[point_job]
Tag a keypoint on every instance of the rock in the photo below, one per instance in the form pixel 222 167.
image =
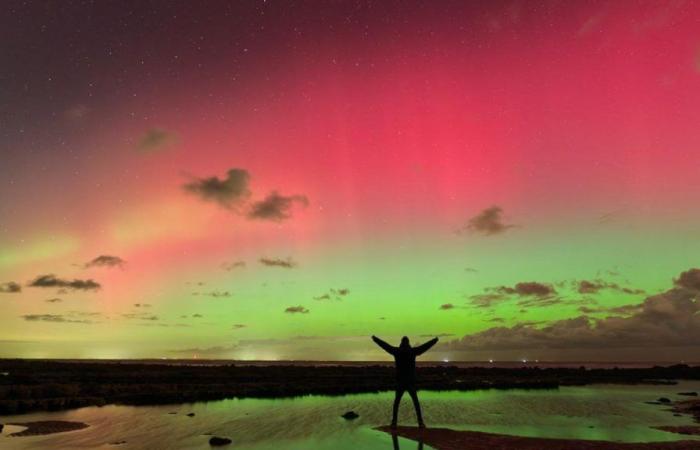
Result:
pixel 190 415
pixel 350 415
pixel 689 394
pixel 664 400
pixel 1 427
pixel 217 441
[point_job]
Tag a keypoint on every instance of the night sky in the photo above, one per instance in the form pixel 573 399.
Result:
pixel 282 179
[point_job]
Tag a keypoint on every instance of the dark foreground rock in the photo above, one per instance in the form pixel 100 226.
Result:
pixel 446 439
pixel 217 441
pixel 47 427
pixel 350 415
pixel 37 385
pixel 688 394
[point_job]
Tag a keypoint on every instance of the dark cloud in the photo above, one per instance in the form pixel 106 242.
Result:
pixel 487 300
pixel 229 266
pixel 276 207
pixel 446 306
pixel 336 294
pixel 668 319
pixel 53 300
pixel 10 288
pixel 595 286
pixel 278 262
pixel 51 281
pixel 528 288
pixel 105 261
pixel 296 310
pixel 689 279
pixel 214 294
pixel 56 318
pixel 229 192
pixel 618 310
pixel 238 326
pixel 488 222
pixel 156 139
pixel 140 316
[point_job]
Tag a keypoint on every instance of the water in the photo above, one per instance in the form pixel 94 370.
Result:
pixel 615 413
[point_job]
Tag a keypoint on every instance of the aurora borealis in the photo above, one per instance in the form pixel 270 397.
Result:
pixel 281 180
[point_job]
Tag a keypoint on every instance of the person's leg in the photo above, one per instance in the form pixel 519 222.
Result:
pixel 397 400
pixel 395 441
pixel 416 405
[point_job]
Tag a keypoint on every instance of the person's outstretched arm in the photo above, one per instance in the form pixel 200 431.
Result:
pixel 387 348
pixel 425 347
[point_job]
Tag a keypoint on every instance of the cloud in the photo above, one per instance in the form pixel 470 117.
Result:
pixel 689 279
pixel 277 262
pixel 336 294
pixel 238 326
pixel 229 192
pixel 537 293
pixel 446 306
pixel 668 319
pixel 105 261
pixel 296 310
pixel 140 316
pixel 487 300
pixel 51 281
pixel 214 294
pixel 156 139
pixel 56 318
pixel 595 286
pixel 10 288
pixel 528 288
pixel 276 207
pixel 619 310
pixel 488 222
pixel 229 266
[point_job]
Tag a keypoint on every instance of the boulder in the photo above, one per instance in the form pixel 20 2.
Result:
pixel 350 415
pixel 217 441
pixel 190 415
pixel 664 400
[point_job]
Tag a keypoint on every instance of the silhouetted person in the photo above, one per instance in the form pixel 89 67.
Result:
pixel 405 358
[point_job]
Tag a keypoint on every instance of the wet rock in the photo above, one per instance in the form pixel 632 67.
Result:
pixel 664 400
pixel 190 415
pixel 350 415
pixel 689 394
pixel 217 441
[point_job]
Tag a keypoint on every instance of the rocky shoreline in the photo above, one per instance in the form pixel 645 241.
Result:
pixel 37 385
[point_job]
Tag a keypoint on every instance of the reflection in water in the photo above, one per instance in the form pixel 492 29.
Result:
pixel 612 413
pixel 395 440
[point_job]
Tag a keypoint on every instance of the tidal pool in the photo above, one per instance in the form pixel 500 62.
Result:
pixel 605 412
